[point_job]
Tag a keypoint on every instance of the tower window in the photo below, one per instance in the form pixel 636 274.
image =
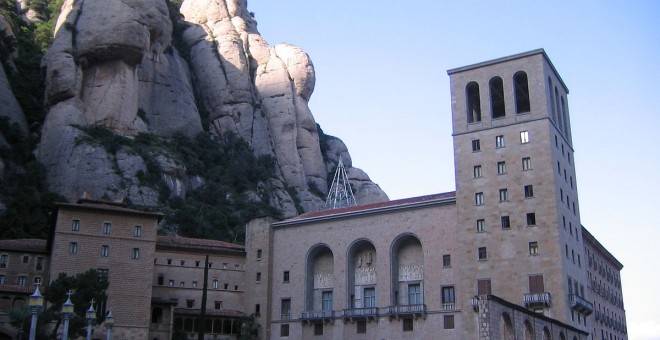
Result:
pixel 483 254
pixel 501 168
pixel 521 92
pixel 476 145
pixel 481 225
pixel 473 102
pixel 75 225
pixel 529 191
pixel 531 219
pixel 478 172
pixel 496 87
pixel 504 195
pixel 526 163
pixel 552 100
pixel 446 261
pixel 524 137
pixel 106 227
pixel 73 248
pixel 137 231
pixel 533 248
pixel 479 198
pixel 506 223
pixel 499 141
pixel 105 251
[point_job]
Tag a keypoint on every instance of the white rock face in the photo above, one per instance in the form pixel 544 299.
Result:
pixel 9 106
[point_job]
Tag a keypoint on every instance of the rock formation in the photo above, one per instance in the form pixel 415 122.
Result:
pixel 117 64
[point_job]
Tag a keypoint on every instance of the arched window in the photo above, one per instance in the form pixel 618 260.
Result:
pixel 562 336
pixel 320 279
pixel 558 108
pixel 563 116
pixel 506 327
pixel 552 100
pixel 496 87
pixel 473 102
pixel 362 274
pixel 521 91
pixel 407 260
pixel 546 332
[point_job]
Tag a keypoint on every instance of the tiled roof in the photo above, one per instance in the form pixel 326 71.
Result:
pixel 16 289
pixel 107 206
pixel 197 243
pixel 26 244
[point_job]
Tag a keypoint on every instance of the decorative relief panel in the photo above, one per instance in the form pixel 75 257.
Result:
pixel 411 272
pixel 323 281
pixel 365 276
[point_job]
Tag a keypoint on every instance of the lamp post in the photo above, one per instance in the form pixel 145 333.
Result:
pixel 35 302
pixel 109 322
pixel 67 312
pixel 90 315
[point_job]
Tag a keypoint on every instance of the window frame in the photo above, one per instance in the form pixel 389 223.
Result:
pixel 526 163
pixel 73 247
pixel 482 253
pixel 135 254
pixel 105 250
pixel 446 261
pixel 505 222
pixel 481 225
pixel 137 231
pixel 534 248
pixel 477 171
pixel 106 229
pixel 476 145
pixel 529 191
pixel 524 137
pixel 75 224
pixel 504 195
pixel 499 142
pixel 531 219
pixel 479 198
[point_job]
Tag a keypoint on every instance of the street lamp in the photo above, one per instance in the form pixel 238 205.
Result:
pixel 35 302
pixel 67 312
pixel 90 315
pixel 109 322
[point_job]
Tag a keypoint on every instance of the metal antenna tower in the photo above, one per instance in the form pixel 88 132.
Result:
pixel 340 194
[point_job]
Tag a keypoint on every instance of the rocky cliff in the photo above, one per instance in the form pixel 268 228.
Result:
pixel 149 67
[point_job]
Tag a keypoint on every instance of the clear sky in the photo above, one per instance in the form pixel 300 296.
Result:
pixel 382 87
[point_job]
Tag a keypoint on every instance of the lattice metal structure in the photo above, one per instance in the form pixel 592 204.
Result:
pixel 340 194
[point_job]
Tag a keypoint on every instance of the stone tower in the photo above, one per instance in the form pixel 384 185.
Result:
pixel 518 225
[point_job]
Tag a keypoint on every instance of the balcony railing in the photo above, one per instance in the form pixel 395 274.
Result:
pixel 402 310
pixel 318 315
pixel 285 316
pixel 580 304
pixel 448 306
pixel 537 299
pixel 361 313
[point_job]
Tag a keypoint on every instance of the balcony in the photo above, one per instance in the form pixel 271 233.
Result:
pixel 532 300
pixel 320 315
pixel 580 304
pixel 406 310
pixel 361 313
pixel 447 307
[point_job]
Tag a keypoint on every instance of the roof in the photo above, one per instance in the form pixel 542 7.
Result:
pixel 447 197
pixel 26 244
pixel 186 243
pixel 586 234
pixel 107 206
pixel 16 289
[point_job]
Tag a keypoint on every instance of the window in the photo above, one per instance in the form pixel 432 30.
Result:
pixel 196 263
pixel 362 327
pixel 4 259
pixel 2 279
pixel 161 279
pixel 473 102
pixel 478 173
pixel 169 261
pixel 214 284
pixel 407 324
pixel 285 309
pixel 533 248
pixel 156 315
pixel 75 225
pixel 496 88
pixel 40 263
pixel 136 253
pixel 170 283
pixel 137 231
pixel 22 280
pixel 224 266
pixel 529 191
pixel 483 255
pixel 414 294
pixel 481 225
pixel 318 328
pixel 499 141
pixel 106 227
pixel 531 219
pixel 258 254
pixel 235 287
pixel 536 284
pixel 479 198
pixel 257 309
pixel 182 262
pixel 190 303
pixel 236 266
pixel 258 276
pixel 226 285
pixel 326 301
pixel 526 163
pixel 476 145
pixel 446 261
pixel 105 250
pixel 26 259
pixel 285 276
pixel 448 298
pixel 524 137
pixel 521 92
pixel 501 168
pixel 73 248
pixel 369 297
pixel 504 195
pixel 194 284
pixel 506 223
pixel 448 322
pixel 182 284
pixel 483 287
pixel 284 330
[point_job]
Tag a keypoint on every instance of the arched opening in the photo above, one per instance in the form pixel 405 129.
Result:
pixel 529 331
pixel 546 334
pixel 562 336
pixel 361 275
pixel 521 91
pixel 552 100
pixel 473 102
pixel 506 327
pixel 319 279
pixel 558 108
pixel 563 116
pixel 496 87
pixel 407 271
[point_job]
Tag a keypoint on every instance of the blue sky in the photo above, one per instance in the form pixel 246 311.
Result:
pixel 382 87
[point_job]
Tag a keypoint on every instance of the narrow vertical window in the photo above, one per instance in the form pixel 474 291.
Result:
pixel 369 297
pixel 73 248
pixel 214 284
pixel 476 145
pixel 137 231
pixel 526 163
pixel 136 253
pixel 258 276
pixel 479 198
pixel 529 191
pixel 285 276
pixel 521 91
pixel 531 219
pixel 501 168
pixel 75 225
pixel 504 195
pixel 40 263
pixel 533 248
pixel 481 225
pixel 473 102
pixel 106 228
pixel 506 223
pixel 499 141
pixel 326 301
pixel 4 259
pixel 560 122
pixel 258 254
pixel 524 137
pixel 105 251
pixel 564 116
pixel 285 309
pixel 446 261
pixel 478 172
pixel 552 100
pixel 496 87
pixel 483 254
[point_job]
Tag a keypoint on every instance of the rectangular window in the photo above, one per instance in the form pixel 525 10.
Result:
pixel 526 163
pixel 524 137
pixel 22 280
pixel 407 325
pixel 478 173
pixel 499 141
pixel 2 279
pixel 190 303
pixel 285 309
pixel 137 231
pixel 258 276
pixel 483 254
pixel 106 228
pixel 506 223
pixel 449 322
pixel 362 327
pixel 414 294
pixel 105 251
pixel 182 284
pixel 214 284
pixel 531 219
pixel 26 259
pixel 369 297
pixel 476 146
pixel 326 301
pixel 194 284
pixel 196 263
pixel 224 266
pixel 169 261
pixel 257 310
pixel 533 248
pixel 318 328
pixel 217 305
pixel 484 287
pixel 73 248
pixel 284 330
pixel 285 276
pixel 501 168
pixel 479 198
pixel 446 261
pixel 481 225
pixel 40 263
pixel 448 296
pixel 75 225
pixel 182 262
pixel 135 254
pixel 170 283
pixel 536 284
pixel 161 279
pixel 226 285
pixel 4 259
pixel 529 191
pixel 258 254
pixel 504 195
